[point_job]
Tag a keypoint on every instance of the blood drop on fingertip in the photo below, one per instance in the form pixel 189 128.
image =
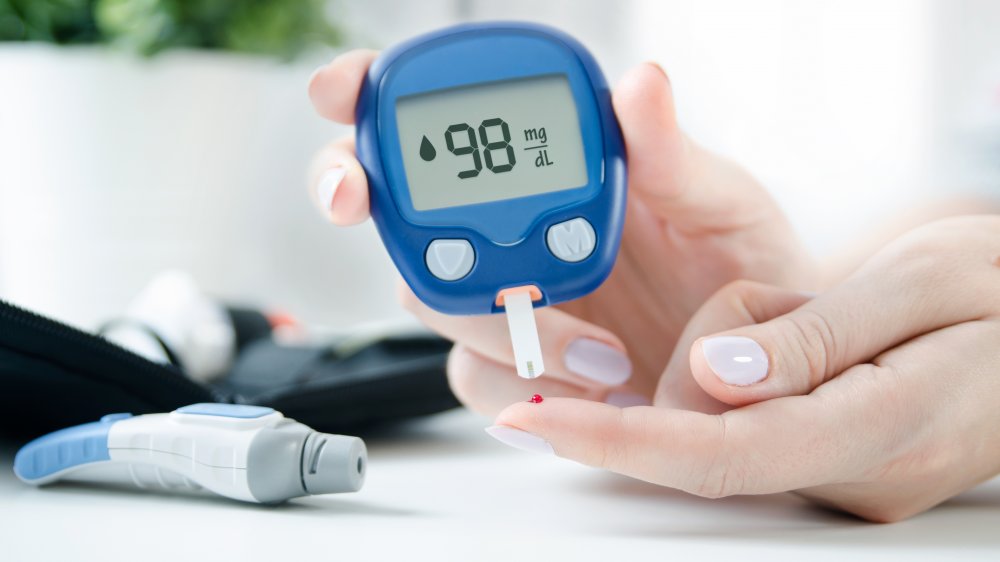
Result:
pixel 536 399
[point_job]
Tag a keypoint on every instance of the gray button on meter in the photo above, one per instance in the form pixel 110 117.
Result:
pixel 450 259
pixel 572 240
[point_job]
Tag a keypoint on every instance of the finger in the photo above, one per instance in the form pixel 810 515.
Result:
pixel 934 386
pixel 887 303
pixel 487 387
pixel 697 190
pixel 338 185
pixel 739 303
pixel 776 446
pixel 334 87
pixel 575 351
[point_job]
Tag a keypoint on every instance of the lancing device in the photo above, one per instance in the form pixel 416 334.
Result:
pixel 247 453
pixel 496 170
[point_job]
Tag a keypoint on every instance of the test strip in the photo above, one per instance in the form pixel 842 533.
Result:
pixel 524 334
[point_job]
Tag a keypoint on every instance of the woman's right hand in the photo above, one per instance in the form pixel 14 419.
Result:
pixel 694 222
pixel 877 397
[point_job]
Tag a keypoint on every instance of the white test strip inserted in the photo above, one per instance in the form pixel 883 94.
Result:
pixel 524 334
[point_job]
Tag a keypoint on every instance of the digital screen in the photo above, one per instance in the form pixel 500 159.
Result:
pixel 490 142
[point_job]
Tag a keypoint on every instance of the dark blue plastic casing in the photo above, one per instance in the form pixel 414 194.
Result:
pixel 508 236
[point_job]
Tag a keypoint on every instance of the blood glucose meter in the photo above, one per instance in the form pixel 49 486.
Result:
pixel 495 165
pixel 494 161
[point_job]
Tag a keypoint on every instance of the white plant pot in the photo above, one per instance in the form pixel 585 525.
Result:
pixel 113 168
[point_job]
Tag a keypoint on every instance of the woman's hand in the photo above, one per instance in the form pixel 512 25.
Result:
pixel 694 222
pixel 877 397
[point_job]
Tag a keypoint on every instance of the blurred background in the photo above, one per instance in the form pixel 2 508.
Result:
pixel 141 135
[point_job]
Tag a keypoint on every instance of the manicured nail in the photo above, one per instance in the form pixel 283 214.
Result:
pixel 598 362
pixel 736 360
pixel 626 399
pixel 327 186
pixel 519 439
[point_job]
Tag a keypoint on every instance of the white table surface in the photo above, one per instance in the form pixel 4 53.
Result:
pixel 440 488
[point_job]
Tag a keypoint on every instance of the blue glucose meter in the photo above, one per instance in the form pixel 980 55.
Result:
pixel 494 161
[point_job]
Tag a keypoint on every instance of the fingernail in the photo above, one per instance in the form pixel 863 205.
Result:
pixel 519 439
pixel 327 186
pixel 659 67
pixel 736 360
pixel 626 399
pixel 314 73
pixel 598 362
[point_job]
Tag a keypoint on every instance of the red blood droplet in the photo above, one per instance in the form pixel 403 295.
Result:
pixel 536 398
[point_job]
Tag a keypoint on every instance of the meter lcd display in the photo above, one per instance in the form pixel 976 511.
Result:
pixel 489 142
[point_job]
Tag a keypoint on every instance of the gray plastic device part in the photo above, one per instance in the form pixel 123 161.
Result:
pixel 291 460
pixel 333 463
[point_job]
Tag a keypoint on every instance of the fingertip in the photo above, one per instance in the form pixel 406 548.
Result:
pixel 657 149
pixel 631 441
pixel 595 356
pixel 733 361
pixel 648 78
pixel 736 370
pixel 340 192
pixel 327 185
pixel 520 415
pixel 644 98
pixel 557 417
pixel 350 205
pixel 333 88
pixel 707 379
pixel 652 65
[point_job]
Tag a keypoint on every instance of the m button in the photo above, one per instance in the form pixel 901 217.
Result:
pixel 571 241
pixel 450 260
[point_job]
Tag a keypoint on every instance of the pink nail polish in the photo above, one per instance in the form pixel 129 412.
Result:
pixel 736 360
pixel 597 361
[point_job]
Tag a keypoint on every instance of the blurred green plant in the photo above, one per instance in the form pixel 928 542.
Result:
pixel 281 28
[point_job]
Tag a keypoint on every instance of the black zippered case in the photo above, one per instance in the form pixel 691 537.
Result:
pixel 53 376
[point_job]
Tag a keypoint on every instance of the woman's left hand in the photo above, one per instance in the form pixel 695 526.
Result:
pixel 877 397
pixel 693 222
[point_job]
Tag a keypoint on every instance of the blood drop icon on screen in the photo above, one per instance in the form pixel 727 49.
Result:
pixel 427 151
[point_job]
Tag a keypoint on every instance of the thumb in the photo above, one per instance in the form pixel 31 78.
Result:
pixel 849 325
pixel 738 304
pixel 696 189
